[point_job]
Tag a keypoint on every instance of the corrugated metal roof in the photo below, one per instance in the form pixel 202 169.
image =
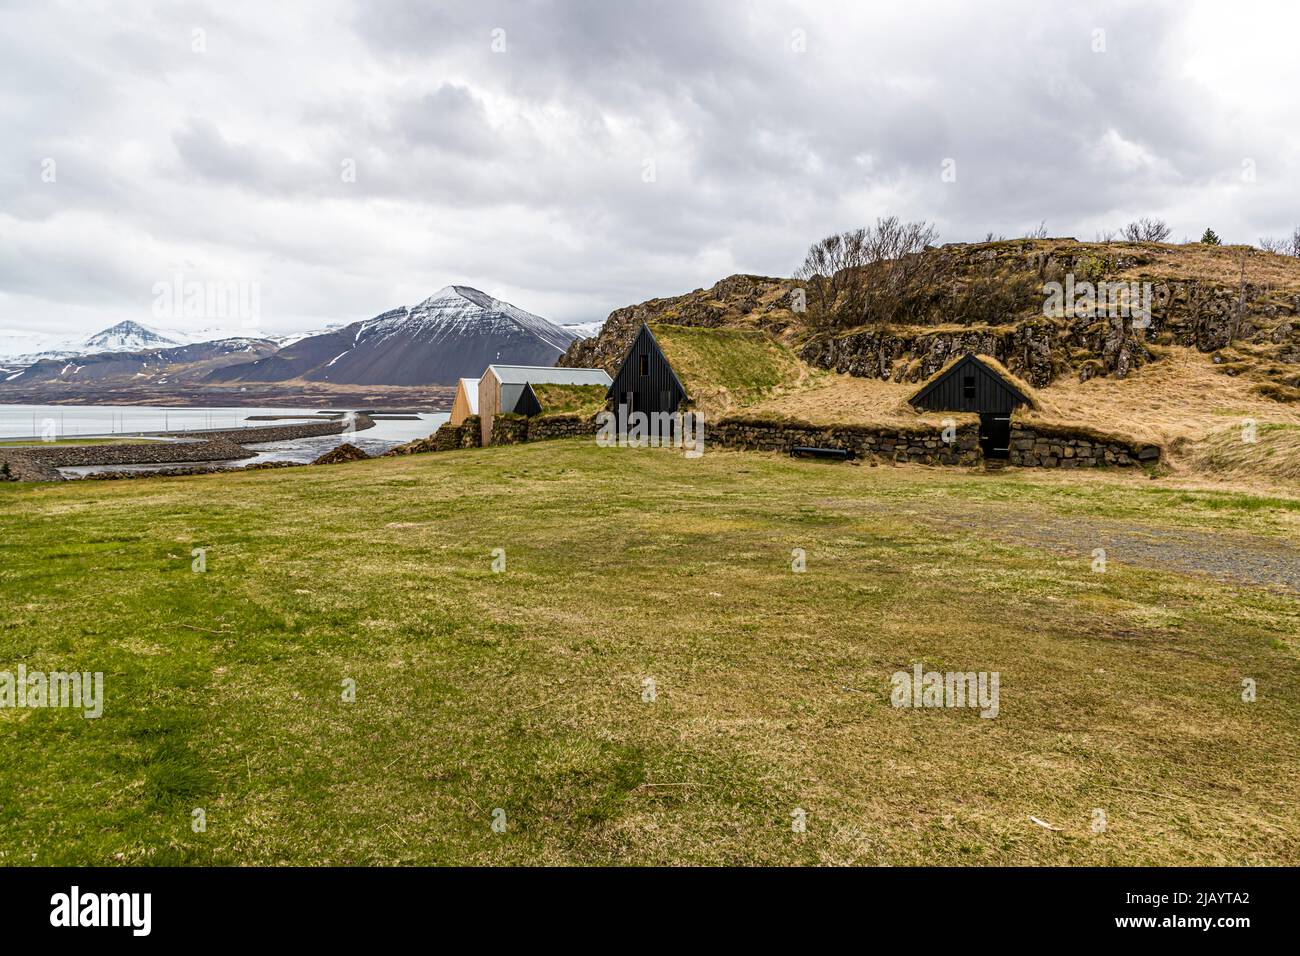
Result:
pixel 519 374
pixel 470 387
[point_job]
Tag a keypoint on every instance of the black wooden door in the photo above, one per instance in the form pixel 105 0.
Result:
pixel 995 435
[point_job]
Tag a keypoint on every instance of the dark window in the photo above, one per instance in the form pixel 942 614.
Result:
pixel 645 365
pixel 968 387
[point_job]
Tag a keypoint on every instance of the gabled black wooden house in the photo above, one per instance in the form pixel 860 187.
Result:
pixel 645 382
pixel 971 385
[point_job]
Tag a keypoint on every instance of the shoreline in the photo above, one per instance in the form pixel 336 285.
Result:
pixel 43 463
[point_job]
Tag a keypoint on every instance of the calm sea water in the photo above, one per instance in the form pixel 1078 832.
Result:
pixel 86 421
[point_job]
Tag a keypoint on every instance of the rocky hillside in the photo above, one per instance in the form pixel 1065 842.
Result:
pixel 1238 304
pixel 740 301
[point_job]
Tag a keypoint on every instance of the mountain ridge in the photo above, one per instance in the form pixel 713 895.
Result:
pixel 452 334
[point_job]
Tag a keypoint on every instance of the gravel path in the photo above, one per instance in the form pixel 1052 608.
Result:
pixel 1225 555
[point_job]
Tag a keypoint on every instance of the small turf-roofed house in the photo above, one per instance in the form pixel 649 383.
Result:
pixel 978 384
pixel 465 403
pixel 645 382
pixel 508 388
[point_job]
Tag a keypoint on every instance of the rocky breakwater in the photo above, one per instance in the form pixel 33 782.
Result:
pixel 41 462
pixel 257 436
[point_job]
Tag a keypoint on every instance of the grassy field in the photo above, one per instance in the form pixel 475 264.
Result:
pixel 526 690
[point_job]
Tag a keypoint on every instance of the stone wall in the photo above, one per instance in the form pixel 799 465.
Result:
pixel 543 427
pixel 448 437
pixel 895 443
pixel 41 463
pixel 471 432
pixel 509 429
pixel 1042 447
pixel 1032 446
pixel 506 430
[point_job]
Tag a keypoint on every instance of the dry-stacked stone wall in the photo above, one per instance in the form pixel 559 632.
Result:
pixel 509 429
pixel 923 446
pixel 543 427
pixel 1039 448
pixel 1032 446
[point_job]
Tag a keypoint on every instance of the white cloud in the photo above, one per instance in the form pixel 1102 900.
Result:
pixel 522 172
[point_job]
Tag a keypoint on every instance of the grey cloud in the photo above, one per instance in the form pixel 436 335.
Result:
pixel 523 169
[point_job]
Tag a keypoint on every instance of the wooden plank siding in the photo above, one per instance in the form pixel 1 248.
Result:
pixel 489 403
pixel 646 378
pixel 462 405
pixel 970 386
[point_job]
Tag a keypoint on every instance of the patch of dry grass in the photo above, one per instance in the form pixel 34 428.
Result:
pixel 1266 452
pixel 1179 398
pixel 830 398
pixel 1193 260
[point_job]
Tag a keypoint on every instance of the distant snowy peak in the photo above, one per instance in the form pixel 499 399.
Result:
pixel 585 330
pixel 127 337
pixel 458 309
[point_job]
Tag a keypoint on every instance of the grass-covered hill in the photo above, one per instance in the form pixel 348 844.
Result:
pixel 1236 305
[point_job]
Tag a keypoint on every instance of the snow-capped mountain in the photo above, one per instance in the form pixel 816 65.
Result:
pixel 176 363
pixel 127 337
pixel 454 333
pixel 27 348
pixel 585 330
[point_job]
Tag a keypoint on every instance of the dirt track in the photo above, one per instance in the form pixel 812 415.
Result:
pixel 1227 556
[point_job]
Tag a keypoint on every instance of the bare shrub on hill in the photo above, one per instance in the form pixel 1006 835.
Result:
pixel 1288 246
pixel 1147 230
pixel 890 273
pixel 875 274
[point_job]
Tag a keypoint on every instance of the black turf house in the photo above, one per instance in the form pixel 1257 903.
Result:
pixel 971 385
pixel 645 382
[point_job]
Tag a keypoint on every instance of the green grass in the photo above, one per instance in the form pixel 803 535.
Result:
pixel 745 362
pixel 559 399
pixel 523 690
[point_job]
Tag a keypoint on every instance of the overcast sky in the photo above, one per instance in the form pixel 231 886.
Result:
pixel 577 157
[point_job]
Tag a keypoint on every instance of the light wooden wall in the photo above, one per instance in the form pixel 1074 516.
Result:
pixel 489 403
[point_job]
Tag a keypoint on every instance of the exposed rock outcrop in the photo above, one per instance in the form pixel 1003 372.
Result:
pixel 343 453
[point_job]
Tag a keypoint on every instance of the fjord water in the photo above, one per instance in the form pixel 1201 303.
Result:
pixel 84 421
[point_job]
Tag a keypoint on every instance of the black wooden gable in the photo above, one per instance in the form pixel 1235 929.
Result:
pixel 970 386
pixel 646 381
pixel 527 403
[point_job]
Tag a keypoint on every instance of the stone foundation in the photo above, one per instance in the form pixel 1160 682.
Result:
pixel 1037 446
pixel 509 429
pixel 1033 447
pixel 471 432
pixel 923 446
pixel 543 427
